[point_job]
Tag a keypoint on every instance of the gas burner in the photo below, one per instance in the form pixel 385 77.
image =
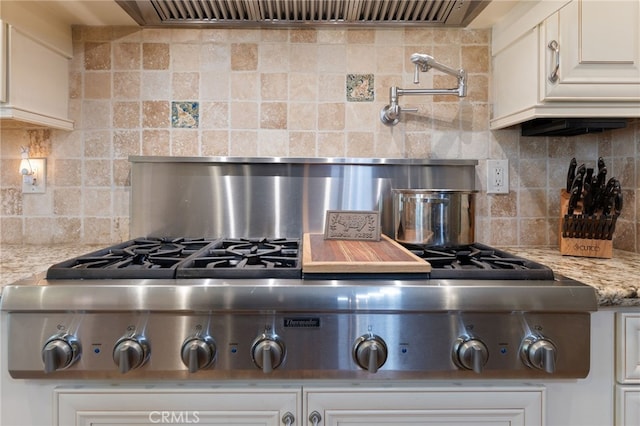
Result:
pixel 138 258
pixel 250 258
pixel 477 261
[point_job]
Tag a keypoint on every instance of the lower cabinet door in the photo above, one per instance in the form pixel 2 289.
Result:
pixel 425 406
pixel 218 406
pixel 627 405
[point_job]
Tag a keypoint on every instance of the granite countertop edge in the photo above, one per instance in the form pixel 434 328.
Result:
pixel 616 280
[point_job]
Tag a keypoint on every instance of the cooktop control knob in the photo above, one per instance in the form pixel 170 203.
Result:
pixel 370 352
pixel 470 354
pixel 60 352
pixel 131 352
pixel 198 352
pixel 268 352
pixel 538 352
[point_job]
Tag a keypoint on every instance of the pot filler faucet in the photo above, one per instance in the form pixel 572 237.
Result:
pixel 390 114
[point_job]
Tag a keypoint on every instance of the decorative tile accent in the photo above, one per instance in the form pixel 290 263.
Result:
pixel 360 88
pixel 185 115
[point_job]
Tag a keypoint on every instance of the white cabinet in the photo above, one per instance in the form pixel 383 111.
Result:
pixel 425 406
pixel 628 369
pixel 207 406
pixel 593 47
pixel 34 71
pixel 628 405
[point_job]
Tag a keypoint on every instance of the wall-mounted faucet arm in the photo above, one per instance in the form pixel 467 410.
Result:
pixel 390 114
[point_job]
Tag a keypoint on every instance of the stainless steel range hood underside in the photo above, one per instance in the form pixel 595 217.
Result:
pixel 261 13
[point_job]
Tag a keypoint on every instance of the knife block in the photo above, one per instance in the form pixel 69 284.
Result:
pixel 584 247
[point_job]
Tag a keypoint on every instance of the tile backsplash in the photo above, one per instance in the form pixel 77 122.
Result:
pixel 285 92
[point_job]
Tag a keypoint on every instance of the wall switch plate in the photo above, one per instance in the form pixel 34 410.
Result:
pixel 36 182
pixel 497 176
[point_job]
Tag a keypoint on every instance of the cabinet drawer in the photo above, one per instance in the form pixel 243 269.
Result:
pixel 627 405
pixel 628 347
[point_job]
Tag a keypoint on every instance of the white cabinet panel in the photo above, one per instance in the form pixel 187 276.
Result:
pixel 598 61
pixel 223 406
pixel 427 406
pixel 599 51
pixel 628 348
pixel 627 405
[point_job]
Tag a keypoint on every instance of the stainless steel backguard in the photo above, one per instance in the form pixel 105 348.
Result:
pixel 273 197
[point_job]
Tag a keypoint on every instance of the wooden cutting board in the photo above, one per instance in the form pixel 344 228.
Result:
pixel 349 256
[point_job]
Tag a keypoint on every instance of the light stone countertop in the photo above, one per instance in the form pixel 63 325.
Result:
pixel 616 280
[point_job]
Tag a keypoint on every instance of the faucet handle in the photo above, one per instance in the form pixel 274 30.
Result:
pixel 416 74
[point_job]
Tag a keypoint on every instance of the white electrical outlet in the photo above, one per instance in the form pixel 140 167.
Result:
pixel 497 176
pixel 35 182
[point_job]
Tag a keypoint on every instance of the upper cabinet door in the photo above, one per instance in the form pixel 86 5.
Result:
pixel 595 47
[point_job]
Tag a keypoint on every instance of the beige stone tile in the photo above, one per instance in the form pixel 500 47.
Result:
pixel 97 33
pixel 475 36
pixel 214 86
pixel 11 202
pixel 185 142
pixel 274 57
pixel 245 86
pixel 361 36
pixel 389 145
pixel 360 59
pixel 331 116
pixel 243 143
pixel 155 56
pixel 67 172
pixel 533 232
pixel 332 58
pixel 422 37
pixel 97 173
pixel 126 85
pixel 121 197
pixel 331 144
pixel 126 143
pixel 185 57
pixel 305 35
pixel 121 173
pixel 361 115
pixel 186 35
pixel 244 57
pixel 273 143
pixel 96 114
pixel 11 230
pixel 156 142
pixel 418 145
pixel 273 115
pixel 303 58
pixel 244 115
pixel 127 33
pixel 215 143
pixel 215 57
pixel 274 86
pixel 75 85
pixel 533 173
pixel 214 115
pixel 273 35
pixel 97 56
pixel 303 87
pixel 504 232
pixel 532 203
pixel 302 144
pixel 332 36
pixel 330 88
pixel 97 230
pixel 126 115
pixel 97 144
pixel 67 202
pixel 503 205
pixel 476 59
pixel 185 85
pixel 302 116
pixel 127 56
pixel 360 144
pixel 155 114
pixel 389 60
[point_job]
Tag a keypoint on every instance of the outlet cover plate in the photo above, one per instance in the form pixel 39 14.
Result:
pixel 497 176
pixel 36 183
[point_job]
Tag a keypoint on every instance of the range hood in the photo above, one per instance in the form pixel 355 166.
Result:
pixel 257 13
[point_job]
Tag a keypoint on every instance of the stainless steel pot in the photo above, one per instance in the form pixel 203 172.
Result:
pixel 434 217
